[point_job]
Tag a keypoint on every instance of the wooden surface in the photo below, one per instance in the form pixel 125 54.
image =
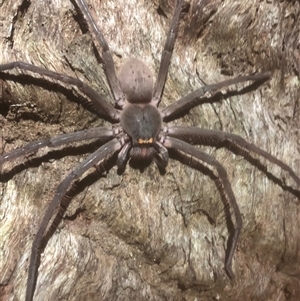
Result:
pixel 146 236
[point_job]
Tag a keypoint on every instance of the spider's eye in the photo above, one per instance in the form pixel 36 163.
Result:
pixel 145 141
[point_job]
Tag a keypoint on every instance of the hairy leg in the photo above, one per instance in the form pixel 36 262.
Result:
pixel 193 99
pixel 104 108
pixel 99 156
pixel 179 145
pixel 167 54
pixel 195 135
pixel 109 66
pixel 98 133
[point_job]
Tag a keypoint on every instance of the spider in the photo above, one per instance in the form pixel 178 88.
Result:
pixel 140 133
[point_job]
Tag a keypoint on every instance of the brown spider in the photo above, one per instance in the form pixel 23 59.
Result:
pixel 141 133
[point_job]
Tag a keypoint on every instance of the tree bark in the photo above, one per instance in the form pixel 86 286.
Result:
pixel 143 235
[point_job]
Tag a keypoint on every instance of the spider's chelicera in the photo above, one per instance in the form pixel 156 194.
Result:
pixel 141 134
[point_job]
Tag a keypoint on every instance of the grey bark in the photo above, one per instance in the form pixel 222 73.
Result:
pixel 146 236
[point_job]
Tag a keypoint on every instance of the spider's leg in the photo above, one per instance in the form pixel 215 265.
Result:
pixel 195 135
pixel 167 54
pixel 101 105
pixel 179 145
pixel 99 156
pixel 109 66
pixel 95 133
pixel 193 99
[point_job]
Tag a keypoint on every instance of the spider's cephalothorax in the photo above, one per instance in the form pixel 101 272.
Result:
pixel 142 123
pixel 141 133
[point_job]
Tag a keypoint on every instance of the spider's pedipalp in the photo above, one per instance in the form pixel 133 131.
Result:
pixel 162 155
pixel 123 156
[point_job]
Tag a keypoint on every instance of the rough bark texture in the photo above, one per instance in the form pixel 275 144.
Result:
pixel 146 236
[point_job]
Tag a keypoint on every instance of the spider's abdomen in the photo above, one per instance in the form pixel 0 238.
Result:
pixel 136 81
pixel 142 123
